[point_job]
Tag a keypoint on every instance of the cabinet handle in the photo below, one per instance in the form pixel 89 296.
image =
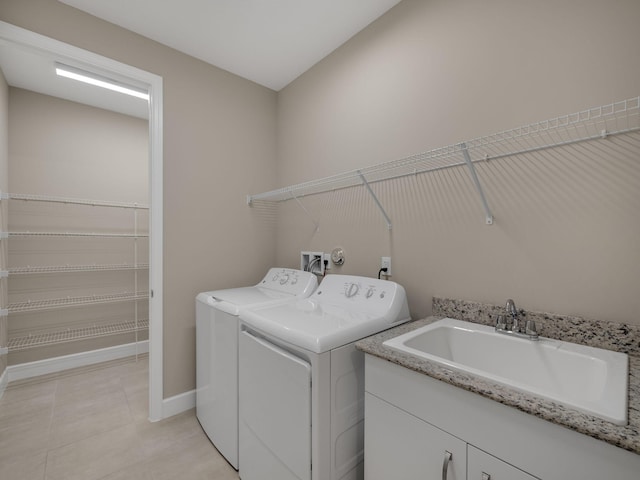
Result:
pixel 445 464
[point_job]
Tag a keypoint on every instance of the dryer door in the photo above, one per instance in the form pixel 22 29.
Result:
pixel 275 412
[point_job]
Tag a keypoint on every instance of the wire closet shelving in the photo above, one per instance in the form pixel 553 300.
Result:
pixel 51 336
pixel 75 334
pixel 73 268
pixel 71 201
pixel 591 124
pixel 51 304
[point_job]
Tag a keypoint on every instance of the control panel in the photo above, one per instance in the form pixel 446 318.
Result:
pixel 289 280
pixel 365 294
pixel 364 289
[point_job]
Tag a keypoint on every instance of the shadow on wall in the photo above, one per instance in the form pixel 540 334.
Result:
pixel 565 235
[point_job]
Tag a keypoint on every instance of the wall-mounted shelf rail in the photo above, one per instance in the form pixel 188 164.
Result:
pixel 70 201
pixel 74 268
pixel 591 124
pixel 52 304
pixel 75 334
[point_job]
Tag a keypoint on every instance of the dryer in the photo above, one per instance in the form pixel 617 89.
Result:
pixel 217 327
pixel 301 379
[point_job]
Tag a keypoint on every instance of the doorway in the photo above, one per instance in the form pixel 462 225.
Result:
pixel 28 42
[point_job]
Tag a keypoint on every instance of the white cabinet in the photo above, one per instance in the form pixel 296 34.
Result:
pixel 482 466
pixel 400 446
pixel 411 419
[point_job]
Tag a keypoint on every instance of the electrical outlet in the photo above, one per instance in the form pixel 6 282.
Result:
pixel 327 261
pixel 385 262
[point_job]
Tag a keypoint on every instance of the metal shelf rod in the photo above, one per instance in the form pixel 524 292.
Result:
pixel 56 303
pixel 476 182
pixel 75 334
pixel 77 234
pixel 74 268
pixel 71 201
pixel 375 199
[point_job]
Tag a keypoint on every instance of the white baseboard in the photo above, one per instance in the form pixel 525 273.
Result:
pixel 4 380
pixel 170 406
pixel 179 403
pixel 66 362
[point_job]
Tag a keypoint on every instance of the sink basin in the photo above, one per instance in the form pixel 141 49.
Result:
pixel 588 379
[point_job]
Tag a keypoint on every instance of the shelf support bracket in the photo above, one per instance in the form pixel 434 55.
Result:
pixel 375 199
pixel 306 211
pixel 476 181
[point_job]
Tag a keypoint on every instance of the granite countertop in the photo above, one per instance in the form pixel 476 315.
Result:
pixel 626 437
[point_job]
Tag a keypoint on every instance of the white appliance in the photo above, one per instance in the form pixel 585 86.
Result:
pixel 217 328
pixel 302 379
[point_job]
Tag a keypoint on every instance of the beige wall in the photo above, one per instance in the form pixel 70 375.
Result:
pixel 62 148
pixel 219 145
pixel 427 74
pixel 4 184
pixel 434 73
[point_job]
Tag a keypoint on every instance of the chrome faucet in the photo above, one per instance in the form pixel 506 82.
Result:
pixel 529 331
pixel 511 309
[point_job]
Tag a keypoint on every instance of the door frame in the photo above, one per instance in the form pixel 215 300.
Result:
pixel 65 52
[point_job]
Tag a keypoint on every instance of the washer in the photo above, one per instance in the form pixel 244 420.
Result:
pixel 217 328
pixel 302 380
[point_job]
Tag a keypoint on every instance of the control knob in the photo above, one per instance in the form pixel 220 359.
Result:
pixel 352 290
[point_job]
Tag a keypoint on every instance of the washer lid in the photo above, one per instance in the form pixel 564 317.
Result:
pixel 336 314
pixel 233 300
pixel 278 285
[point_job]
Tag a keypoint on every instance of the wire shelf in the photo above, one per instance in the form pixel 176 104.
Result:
pixel 77 234
pixel 72 201
pixel 56 303
pixel 75 268
pixel 594 123
pixel 75 334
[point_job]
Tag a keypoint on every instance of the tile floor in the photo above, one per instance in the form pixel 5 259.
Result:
pixel 91 424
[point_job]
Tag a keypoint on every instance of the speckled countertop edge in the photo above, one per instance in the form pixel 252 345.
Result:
pixel 626 437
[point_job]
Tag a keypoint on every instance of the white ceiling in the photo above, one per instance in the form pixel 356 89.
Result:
pixel 34 70
pixel 270 42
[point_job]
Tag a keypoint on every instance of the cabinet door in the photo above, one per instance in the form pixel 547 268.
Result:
pixel 399 446
pixel 483 466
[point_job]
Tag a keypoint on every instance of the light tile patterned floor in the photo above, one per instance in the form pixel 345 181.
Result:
pixel 92 424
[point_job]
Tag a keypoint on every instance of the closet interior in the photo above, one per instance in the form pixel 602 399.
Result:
pixel 77 265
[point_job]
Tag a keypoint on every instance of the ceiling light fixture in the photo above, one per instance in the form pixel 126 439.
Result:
pixel 93 79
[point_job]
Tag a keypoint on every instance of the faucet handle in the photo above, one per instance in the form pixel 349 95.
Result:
pixel 501 323
pixel 530 328
pixel 515 324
